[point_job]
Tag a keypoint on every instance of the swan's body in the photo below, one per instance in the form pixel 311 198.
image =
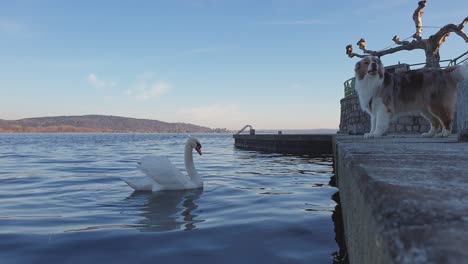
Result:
pixel 161 174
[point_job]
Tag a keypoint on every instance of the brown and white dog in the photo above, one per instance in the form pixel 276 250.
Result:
pixel 429 92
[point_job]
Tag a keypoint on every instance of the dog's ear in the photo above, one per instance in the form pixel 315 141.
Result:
pixel 357 66
pixel 381 68
pixel 381 73
pixel 359 73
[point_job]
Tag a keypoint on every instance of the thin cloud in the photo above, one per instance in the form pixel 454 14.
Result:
pixel 148 88
pixel 299 22
pixel 217 115
pixel 202 50
pixel 204 3
pixel 95 82
pixel 440 19
pixel 9 26
pixel 366 7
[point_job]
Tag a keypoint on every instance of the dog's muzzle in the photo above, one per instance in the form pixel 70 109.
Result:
pixel 373 69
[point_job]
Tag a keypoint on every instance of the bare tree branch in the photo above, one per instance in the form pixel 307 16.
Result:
pixel 362 44
pixel 430 45
pixel 439 36
pixel 396 39
pixel 417 18
pixel 409 46
pixel 462 24
pixel 460 31
pixel 349 51
pixel 415 44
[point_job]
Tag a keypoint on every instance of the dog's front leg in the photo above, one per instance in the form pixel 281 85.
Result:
pixel 383 117
pixel 372 128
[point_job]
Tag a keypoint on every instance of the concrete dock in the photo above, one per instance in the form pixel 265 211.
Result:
pixel 404 198
pixel 308 144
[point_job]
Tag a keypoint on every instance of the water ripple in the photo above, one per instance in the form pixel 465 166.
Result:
pixel 62 192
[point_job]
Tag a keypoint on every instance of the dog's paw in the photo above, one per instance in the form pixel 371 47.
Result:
pixel 368 135
pixel 445 133
pixel 431 133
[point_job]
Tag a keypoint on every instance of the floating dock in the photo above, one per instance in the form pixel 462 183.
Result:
pixel 307 144
pixel 404 198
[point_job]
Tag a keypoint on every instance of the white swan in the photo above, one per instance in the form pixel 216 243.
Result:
pixel 163 175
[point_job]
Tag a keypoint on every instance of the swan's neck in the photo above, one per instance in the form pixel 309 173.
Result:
pixel 190 166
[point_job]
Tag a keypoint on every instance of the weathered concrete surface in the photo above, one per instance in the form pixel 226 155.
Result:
pixel 404 199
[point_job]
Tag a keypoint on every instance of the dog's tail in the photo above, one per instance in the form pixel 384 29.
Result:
pixel 461 72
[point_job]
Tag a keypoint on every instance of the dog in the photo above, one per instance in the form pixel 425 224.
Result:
pixel 431 93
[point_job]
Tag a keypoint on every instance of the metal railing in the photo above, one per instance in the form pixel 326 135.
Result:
pixel 460 59
pixel 349 87
pixel 246 126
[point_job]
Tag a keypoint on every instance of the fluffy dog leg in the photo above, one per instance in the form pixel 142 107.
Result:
pixel 444 133
pixel 430 133
pixel 372 128
pixel 435 124
pixel 373 120
pixel 445 115
pixel 382 121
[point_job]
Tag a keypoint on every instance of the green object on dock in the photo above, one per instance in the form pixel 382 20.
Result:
pixel 349 87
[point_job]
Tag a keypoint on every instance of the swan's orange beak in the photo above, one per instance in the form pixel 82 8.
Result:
pixel 198 149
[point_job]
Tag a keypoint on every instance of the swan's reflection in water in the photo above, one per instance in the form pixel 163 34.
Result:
pixel 167 210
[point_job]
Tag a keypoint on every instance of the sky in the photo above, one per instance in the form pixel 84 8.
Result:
pixel 273 64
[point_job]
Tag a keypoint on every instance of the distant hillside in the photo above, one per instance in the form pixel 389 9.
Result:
pixel 98 124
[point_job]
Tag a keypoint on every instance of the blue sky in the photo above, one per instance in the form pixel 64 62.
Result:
pixel 217 63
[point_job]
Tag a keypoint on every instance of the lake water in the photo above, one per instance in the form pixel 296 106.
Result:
pixel 62 201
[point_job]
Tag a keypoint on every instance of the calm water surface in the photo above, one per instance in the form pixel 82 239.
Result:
pixel 61 201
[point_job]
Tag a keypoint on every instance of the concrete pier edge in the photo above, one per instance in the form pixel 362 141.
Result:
pixel 404 199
